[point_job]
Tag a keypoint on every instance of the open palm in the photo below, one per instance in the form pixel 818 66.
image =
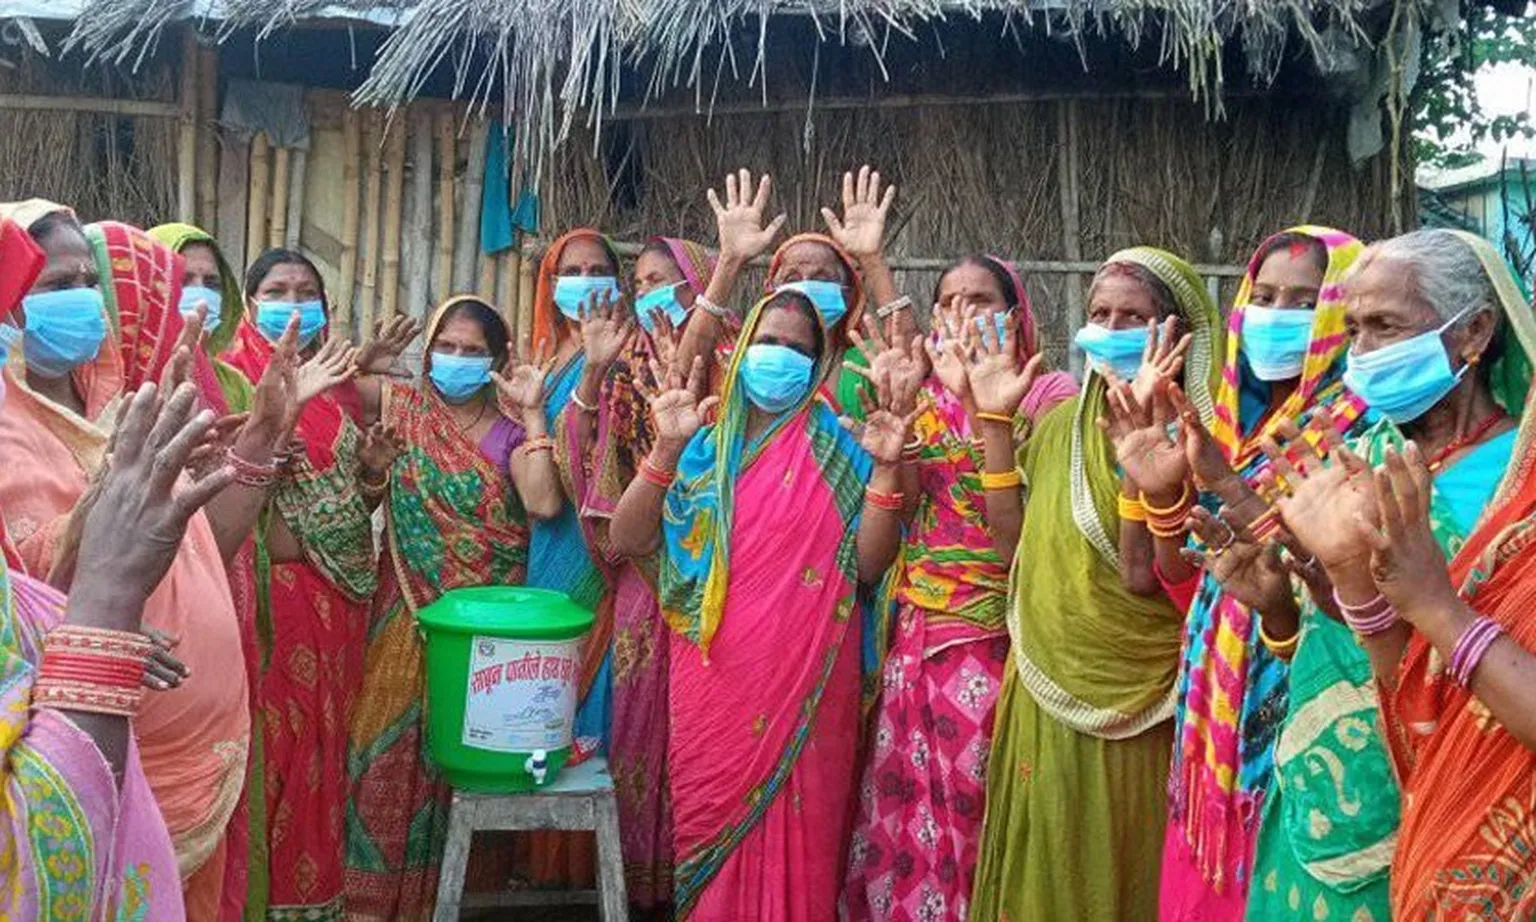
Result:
pixel 522 386
pixel 861 230
pixel 739 219
pixel 605 326
pixel 1153 461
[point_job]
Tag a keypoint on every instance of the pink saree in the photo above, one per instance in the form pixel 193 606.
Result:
pixel 765 707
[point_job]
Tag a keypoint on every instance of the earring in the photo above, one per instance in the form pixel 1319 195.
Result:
pixel 1474 358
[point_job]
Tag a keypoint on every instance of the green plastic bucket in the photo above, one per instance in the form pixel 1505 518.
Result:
pixel 503 666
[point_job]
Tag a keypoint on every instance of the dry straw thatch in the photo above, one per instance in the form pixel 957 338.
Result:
pixel 558 64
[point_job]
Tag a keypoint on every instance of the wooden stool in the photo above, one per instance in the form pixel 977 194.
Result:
pixel 581 798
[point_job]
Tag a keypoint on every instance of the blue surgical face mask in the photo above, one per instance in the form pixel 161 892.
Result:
pixel 827 296
pixel 272 319
pixel 775 377
pixel 663 299
pixel 572 292
pixel 10 335
pixel 212 299
pixel 1403 380
pixel 459 377
pixel 64 330
pixel 1119 351
pixel 1275 340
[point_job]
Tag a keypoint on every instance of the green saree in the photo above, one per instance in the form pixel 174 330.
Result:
pixel 1077 777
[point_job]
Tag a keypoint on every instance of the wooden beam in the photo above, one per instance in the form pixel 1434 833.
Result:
pixel 351 150
pixel 186 133
pixel 1071 239
pixel 467 247
pixel 394 202
pixel 447 162
pixel 207 139
pixel 298 161
pixel 256 201
pixel 373 179
pixel 277 231
pixel 37 103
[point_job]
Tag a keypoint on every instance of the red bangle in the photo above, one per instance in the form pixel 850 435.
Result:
pixel 111 672
pixel 891 502
pixel 652 474
pixel 249 473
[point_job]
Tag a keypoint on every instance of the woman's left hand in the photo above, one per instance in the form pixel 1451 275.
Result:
pixel 902 364
pixel 1407 564
pixel 1163 359
pixel 381 446
pixel 522 386
pixel 605 327
pixel 274 402
pixel 861 231
pixel 886 429
pixel 390 338
pixel 335 363
pixel 999 381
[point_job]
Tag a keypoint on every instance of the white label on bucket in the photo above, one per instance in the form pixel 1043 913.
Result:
pixel 521 695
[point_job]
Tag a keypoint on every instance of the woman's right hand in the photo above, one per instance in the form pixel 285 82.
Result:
pixel 605 327
pixel 390 338
pixel 947 347
pixel 1255 575
pixel 381 446
pixel 1162 360
pixel 1331 509
pixel 678 406
pixel 139 517
pixel 999 381
pixel 739 220
pixel 1139 432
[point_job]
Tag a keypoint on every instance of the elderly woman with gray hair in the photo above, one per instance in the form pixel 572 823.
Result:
pixel 1441 347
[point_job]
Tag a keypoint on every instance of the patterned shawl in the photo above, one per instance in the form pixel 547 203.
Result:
pixel 455 519
pixel 143 299
pixel 550 327
pixel 694 261
pixel 1231 690
pixel 700 507
pixel 1469 786
pixel 1069 612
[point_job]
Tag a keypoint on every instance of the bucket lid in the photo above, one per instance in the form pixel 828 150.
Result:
pixel 540 614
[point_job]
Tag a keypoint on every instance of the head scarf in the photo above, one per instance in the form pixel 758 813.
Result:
pixel 1202 321
pixel 855 282
pixel 703 498
pixel 548 323
pixel 1328 345
pixel 143 293
pixel 695 261
pixel 29 212
pixel 178 237
pixel 1509 374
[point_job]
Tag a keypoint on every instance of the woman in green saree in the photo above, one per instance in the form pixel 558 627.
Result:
pixel 1076 783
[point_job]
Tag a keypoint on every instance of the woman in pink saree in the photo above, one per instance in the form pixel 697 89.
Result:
pixel 765 655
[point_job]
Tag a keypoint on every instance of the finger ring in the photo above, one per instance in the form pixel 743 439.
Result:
pixel 1231 538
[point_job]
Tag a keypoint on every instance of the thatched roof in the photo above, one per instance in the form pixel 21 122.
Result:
pixel 554 62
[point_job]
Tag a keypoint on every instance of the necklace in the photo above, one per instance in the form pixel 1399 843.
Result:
pixel 1472 437
pixel 465 427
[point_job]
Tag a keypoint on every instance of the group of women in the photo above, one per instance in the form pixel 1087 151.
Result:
pixel 892 623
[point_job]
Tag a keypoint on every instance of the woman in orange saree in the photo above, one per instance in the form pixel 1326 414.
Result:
pixel 194 739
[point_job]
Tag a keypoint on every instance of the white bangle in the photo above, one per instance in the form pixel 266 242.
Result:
pixel 711 307
pixel 900 304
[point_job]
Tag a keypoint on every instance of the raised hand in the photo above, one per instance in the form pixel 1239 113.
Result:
pixel 1205 457
pixel 679 407
pixel 381 446
pixel 886 424
pixel 335 363
pixel 1331 509
pixel 1407 563
pixel 1252 573
pixel 902 364
pixel 522 386
pixel 274 402
pixel 179 369
pixel 390 338
pixel 1163 359
pixel 1139 431
pixel 605 326
pixel 140 515
pixel 740 219
pixel 861 230
pixel 947 348
pixel 998 380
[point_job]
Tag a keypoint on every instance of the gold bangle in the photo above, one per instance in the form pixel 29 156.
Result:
pixel 1007 480
pixel 1178 508
pixel 1131 510
pixel 986 417
pixel 1284 649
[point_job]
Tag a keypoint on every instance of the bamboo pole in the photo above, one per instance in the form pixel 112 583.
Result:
pixel 446 162
pixel 186 141
pixel 509 264
pixel 468 243
pixel 525 292
pixel 207 139
pixel 394 200
pixel 372 182
pixel 256 208
pixel 418 249
pixel 299 166
pixel 33 102
pixel 234 187
pixel 486 288
pixel 351 150
pixel 277 231
pixel 1067 181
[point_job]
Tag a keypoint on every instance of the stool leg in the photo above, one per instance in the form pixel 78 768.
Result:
pixel 612 901
pixel 450 879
